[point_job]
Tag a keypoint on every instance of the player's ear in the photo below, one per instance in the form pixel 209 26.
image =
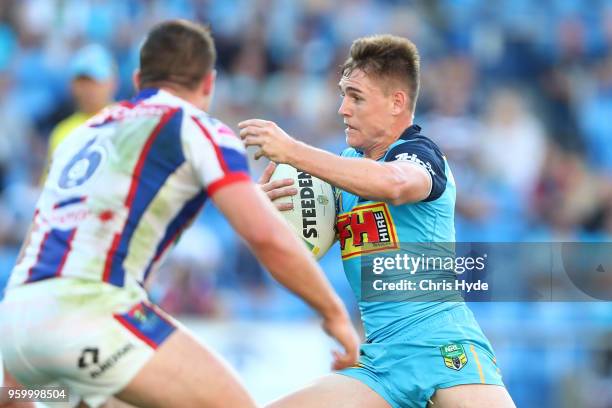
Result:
pixel 400 101
pixel 208 82
pixel 136 79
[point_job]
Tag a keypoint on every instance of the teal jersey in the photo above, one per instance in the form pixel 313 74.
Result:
pixel 370 228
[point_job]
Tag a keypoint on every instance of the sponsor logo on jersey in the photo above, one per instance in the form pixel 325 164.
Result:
pixel 412 157
pixel 120 112
pixel 366 224
pixel 454 356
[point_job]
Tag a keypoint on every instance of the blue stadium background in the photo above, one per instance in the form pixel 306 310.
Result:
pixel 518 93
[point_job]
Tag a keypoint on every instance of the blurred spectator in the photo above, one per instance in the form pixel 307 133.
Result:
pixel 595 120
pixel 512 143
pixel 568 195
pixel 594 388
pixel 92 85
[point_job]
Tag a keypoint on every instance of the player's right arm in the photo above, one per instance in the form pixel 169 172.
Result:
pixel 219 161
pixel 280 251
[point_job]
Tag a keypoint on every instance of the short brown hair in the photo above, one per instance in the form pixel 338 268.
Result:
pixel 386 57
pixel 176 51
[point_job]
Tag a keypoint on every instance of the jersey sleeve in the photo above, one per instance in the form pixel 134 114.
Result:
pixel 423 153
pixel 215 152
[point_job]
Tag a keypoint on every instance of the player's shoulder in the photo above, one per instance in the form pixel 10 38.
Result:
pixel 198 123
pixel 193 120
pixel 200 127
pixel 413 147
pixel 412 141
pixel 149 104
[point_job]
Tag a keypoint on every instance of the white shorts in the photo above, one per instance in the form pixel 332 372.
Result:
pixel 90 337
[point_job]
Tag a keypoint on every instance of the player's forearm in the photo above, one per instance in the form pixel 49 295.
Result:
pixel 363 177
pixel 289 263
pixel 256 220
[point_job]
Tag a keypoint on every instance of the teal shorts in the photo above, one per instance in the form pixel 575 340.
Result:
pixel 446 350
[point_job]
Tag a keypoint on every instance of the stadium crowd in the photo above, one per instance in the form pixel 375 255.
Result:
pixel 517 93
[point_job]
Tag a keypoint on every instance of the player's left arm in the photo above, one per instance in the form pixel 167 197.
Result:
pixel 396 181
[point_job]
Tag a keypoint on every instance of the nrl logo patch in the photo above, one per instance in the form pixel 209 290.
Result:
pixel 454 356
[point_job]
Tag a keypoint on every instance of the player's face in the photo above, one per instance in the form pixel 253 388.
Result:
pixel 366 110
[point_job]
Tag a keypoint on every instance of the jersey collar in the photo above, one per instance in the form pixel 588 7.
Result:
pixel 410 132
pixel 144 94
pixel 406 135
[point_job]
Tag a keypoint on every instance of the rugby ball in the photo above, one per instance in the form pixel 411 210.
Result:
pixel 313 216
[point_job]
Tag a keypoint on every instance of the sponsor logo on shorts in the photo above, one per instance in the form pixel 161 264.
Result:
pixel 139 313
pixel 89 360
pixel 89 356
pixel 366 224
pixel 454 356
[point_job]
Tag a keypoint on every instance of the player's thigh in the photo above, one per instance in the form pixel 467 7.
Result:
pixel 183 373
pixel 472 396
pixel 333 391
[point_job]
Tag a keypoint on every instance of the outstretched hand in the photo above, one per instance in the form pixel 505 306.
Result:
pixel 342 330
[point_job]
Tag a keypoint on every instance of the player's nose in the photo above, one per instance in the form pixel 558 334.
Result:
pixel 344 110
